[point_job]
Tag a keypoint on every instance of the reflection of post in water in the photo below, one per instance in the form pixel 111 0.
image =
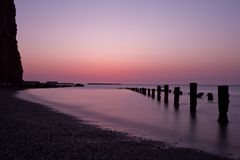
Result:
pixel 176 109
pixel 166 106
pixel 192 126
pixel 178 127
pixel 222 137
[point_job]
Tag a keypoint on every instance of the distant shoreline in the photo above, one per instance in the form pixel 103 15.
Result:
pixel 104 84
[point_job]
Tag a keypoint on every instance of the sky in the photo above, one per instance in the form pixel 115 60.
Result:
pixel 130 41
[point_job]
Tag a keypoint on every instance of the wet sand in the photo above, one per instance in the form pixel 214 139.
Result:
pixel 33 131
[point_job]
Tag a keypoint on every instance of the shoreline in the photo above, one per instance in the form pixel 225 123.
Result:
pixel 34 131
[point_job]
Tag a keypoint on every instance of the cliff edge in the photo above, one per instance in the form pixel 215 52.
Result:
pixel 10 61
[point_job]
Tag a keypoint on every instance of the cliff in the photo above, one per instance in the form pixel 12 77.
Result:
pixel 10 61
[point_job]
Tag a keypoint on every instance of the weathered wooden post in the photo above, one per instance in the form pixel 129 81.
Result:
pixel 223 101
pixel 193 97
pixel 158 92
pixel 176 96
pixel 144 91
pixel 153 93
pixel 210 96
pixel 140 90
pixel 166 92
pixel 149 92
pixel 137 90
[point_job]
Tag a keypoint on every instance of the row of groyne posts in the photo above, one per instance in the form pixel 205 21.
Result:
pixel 223 97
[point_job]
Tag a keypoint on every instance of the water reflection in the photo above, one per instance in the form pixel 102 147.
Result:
pixel 128 111
pixel 166 106
pixel 158 97
pixel 192 127
pixel 176 109
pixel 177 121
pixel 222 137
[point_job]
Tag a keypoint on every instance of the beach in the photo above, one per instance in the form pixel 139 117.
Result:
pixel 34 131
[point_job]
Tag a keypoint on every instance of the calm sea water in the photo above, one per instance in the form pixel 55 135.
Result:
pixel 127 111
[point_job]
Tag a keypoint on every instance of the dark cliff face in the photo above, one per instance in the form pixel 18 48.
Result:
pixel 10 60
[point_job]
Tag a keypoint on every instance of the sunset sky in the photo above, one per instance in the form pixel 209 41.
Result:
pixel 130 41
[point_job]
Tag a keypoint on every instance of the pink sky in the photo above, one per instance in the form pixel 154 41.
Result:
pixel 130 41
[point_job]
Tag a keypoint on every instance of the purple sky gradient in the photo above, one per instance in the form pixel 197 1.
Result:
pixel 131 41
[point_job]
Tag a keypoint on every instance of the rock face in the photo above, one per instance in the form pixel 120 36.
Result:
pixel 10 61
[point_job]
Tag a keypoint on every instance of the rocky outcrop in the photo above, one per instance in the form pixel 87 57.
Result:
pixel 10 61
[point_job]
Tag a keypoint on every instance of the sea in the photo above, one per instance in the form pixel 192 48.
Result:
pixel 116 108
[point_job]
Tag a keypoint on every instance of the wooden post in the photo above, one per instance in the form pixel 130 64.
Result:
pixel 193 97
pixel 176 96
pixel 210 96
pixel 223 101
pixel 159 88
pixel 166 92
pixel 158 92
pixel 149 92
pixel 137 90
pixel 153 93
pixel 144 91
